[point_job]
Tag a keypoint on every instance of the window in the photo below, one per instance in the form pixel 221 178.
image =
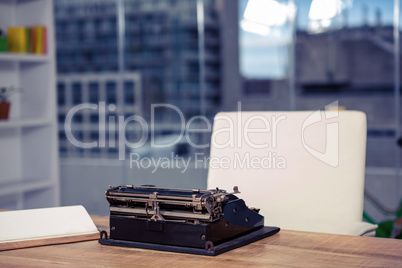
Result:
pixel 95 150
pixel 93 92
pixel 79 135
pixel 161 57
pixel 177 87
pixel 131 136
pixel 77 94
pixel 94 118
pixel 112 150
pixel 78 118
pixel 129 92
pixel 61 94
pixel 111 92
pixel 62 135
pixel 61 118
pixel 94 135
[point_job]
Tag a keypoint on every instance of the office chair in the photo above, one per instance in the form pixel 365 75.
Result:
pixel 304 169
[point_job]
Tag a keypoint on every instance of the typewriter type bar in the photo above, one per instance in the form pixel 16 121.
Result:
pixel 189 218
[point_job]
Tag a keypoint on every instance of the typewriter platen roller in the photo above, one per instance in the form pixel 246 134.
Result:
pixel 181 220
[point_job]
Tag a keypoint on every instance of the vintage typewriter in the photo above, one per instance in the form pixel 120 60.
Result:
pixel 206 222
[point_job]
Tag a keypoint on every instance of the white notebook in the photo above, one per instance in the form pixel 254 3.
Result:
pixel 45 223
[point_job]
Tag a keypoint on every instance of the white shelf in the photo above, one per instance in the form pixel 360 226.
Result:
pixel 20 57
pixel 13 188
pixel 14 123
pixel 29 159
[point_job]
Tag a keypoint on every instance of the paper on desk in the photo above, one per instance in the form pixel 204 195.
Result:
pixel 45 223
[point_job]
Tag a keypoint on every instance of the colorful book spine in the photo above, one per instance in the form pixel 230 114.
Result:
pixel 44 41
pixel 32 44
pixel 27 39
pixel 39 40
pixel 16 40
pixel 3 44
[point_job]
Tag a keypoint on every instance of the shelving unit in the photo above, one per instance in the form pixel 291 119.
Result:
pixel 15 57
pixel 13 123
pixel 29 167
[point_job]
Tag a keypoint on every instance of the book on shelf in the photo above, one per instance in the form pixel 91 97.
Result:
pixel 27 39
pixel 16 40
pixel 3 42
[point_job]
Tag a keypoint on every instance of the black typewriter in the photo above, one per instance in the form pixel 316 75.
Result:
pixel 207 222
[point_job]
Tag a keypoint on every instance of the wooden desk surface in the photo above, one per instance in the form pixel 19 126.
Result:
pixel 287 248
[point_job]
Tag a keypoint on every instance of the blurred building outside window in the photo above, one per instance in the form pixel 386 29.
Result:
pixel 296 54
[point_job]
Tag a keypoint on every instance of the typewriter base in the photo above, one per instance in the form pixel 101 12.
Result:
pixel 218 249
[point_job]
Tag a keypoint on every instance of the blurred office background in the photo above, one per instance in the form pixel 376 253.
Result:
pixel 206 56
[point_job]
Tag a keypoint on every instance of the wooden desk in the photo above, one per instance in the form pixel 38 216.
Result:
pixel 287 248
